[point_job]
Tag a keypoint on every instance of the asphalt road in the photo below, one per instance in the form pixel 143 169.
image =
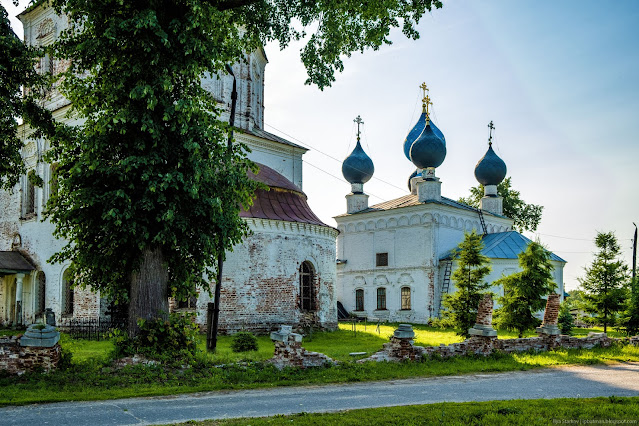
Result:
pixel 582 381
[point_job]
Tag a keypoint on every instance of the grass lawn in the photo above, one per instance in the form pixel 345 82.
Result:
pixel 612 410
pixel 90 376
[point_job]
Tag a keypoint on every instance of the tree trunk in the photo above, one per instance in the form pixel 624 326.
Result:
pixel 149 290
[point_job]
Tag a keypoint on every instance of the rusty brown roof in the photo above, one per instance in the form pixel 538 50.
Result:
pixel 284 200
pixel 12 262
pixel 270 136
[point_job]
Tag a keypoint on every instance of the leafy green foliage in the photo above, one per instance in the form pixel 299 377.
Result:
pixel 172 341
pixel 472 267
pixel 523 290
pixel 150 168
pixel 17 72
pixel 244 341
pixel 605 280
pixel 565 320
pixel 630 319
pixel 526 216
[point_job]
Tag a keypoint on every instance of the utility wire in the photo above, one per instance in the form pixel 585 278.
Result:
pixel 329 156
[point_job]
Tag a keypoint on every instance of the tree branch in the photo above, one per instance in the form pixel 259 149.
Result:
pixel 234 4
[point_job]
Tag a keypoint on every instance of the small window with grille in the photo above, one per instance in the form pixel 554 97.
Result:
pixel 40 292
pixel 381 259
pixel 405 298
pixel 190 303
pixel 68 296
pixel 381 298
pixel 359 300
pixel 307 293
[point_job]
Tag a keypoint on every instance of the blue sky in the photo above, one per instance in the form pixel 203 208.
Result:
pixel 559 80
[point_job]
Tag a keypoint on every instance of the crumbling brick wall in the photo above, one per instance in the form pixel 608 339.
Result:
pixel 16 359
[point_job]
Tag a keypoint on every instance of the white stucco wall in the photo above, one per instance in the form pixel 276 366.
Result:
pixel 415 238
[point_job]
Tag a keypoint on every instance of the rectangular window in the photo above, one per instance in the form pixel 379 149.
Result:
pixel 405 298
pixel 359 300
pixel 190 303
pixel 29 200
pixel 381 298
pixel 381 259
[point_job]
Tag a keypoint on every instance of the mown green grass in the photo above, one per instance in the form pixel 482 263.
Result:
pixel 611 410
pixel 90 376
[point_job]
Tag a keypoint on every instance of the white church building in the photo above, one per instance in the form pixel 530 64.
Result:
pixel 394 258
pixel 284 273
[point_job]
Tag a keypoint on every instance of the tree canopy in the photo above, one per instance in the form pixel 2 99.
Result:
pixel 523 290
pixel 17 72
pixel 605 280
pixel 149 193
pixel 472 266
pixel 526 216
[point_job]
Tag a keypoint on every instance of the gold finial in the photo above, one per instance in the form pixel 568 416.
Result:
pixel 490 135
pixel 359 121
pixel 425 101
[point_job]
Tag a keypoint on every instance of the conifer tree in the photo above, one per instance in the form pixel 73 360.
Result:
pixel 565 321
pixel 605 280
pixel 472 267
pixel 523 291
pixel 631 314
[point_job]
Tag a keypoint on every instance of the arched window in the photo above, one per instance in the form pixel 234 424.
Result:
pixel 405 298
pixel 40 288
pixel 307 293
pixel 359 299
pixel 381 298
pixel 67 294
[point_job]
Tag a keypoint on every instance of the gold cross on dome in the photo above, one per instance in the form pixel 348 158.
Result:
pixel 426 99
pixel 359 121
pixel 490 136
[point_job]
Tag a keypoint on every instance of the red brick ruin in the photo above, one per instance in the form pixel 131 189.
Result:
pixel 483 340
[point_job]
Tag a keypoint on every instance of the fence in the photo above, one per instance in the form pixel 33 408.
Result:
pixel 92 329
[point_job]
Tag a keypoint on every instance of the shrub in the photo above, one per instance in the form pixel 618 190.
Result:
pixel 66 357
pixel 171 341
pixel 565 320
pixel 244 341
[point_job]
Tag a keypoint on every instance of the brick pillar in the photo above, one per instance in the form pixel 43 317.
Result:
pixel 484 322
pixel 551 315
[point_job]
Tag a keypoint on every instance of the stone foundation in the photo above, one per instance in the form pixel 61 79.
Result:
pixel 484 340
pixel 290 353
pixel 17 359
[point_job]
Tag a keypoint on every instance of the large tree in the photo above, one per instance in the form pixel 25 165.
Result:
pixel 523 290
pixel 526 216
pixel 471 268
pixel 149 193
pixel 605 279
pixel 20 91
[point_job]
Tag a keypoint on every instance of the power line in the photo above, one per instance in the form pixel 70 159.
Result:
pixel 340 179
pixel 329 156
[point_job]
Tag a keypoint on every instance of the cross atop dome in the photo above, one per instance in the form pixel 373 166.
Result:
pixel 359 121
pixel 490 135
pixel 425 100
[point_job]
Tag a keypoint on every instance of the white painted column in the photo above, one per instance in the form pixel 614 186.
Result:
pixel 18 317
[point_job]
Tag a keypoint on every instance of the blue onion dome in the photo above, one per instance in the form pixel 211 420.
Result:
pixel 417 130
pixel 358 167
pixel 428 150
pixel 491 169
